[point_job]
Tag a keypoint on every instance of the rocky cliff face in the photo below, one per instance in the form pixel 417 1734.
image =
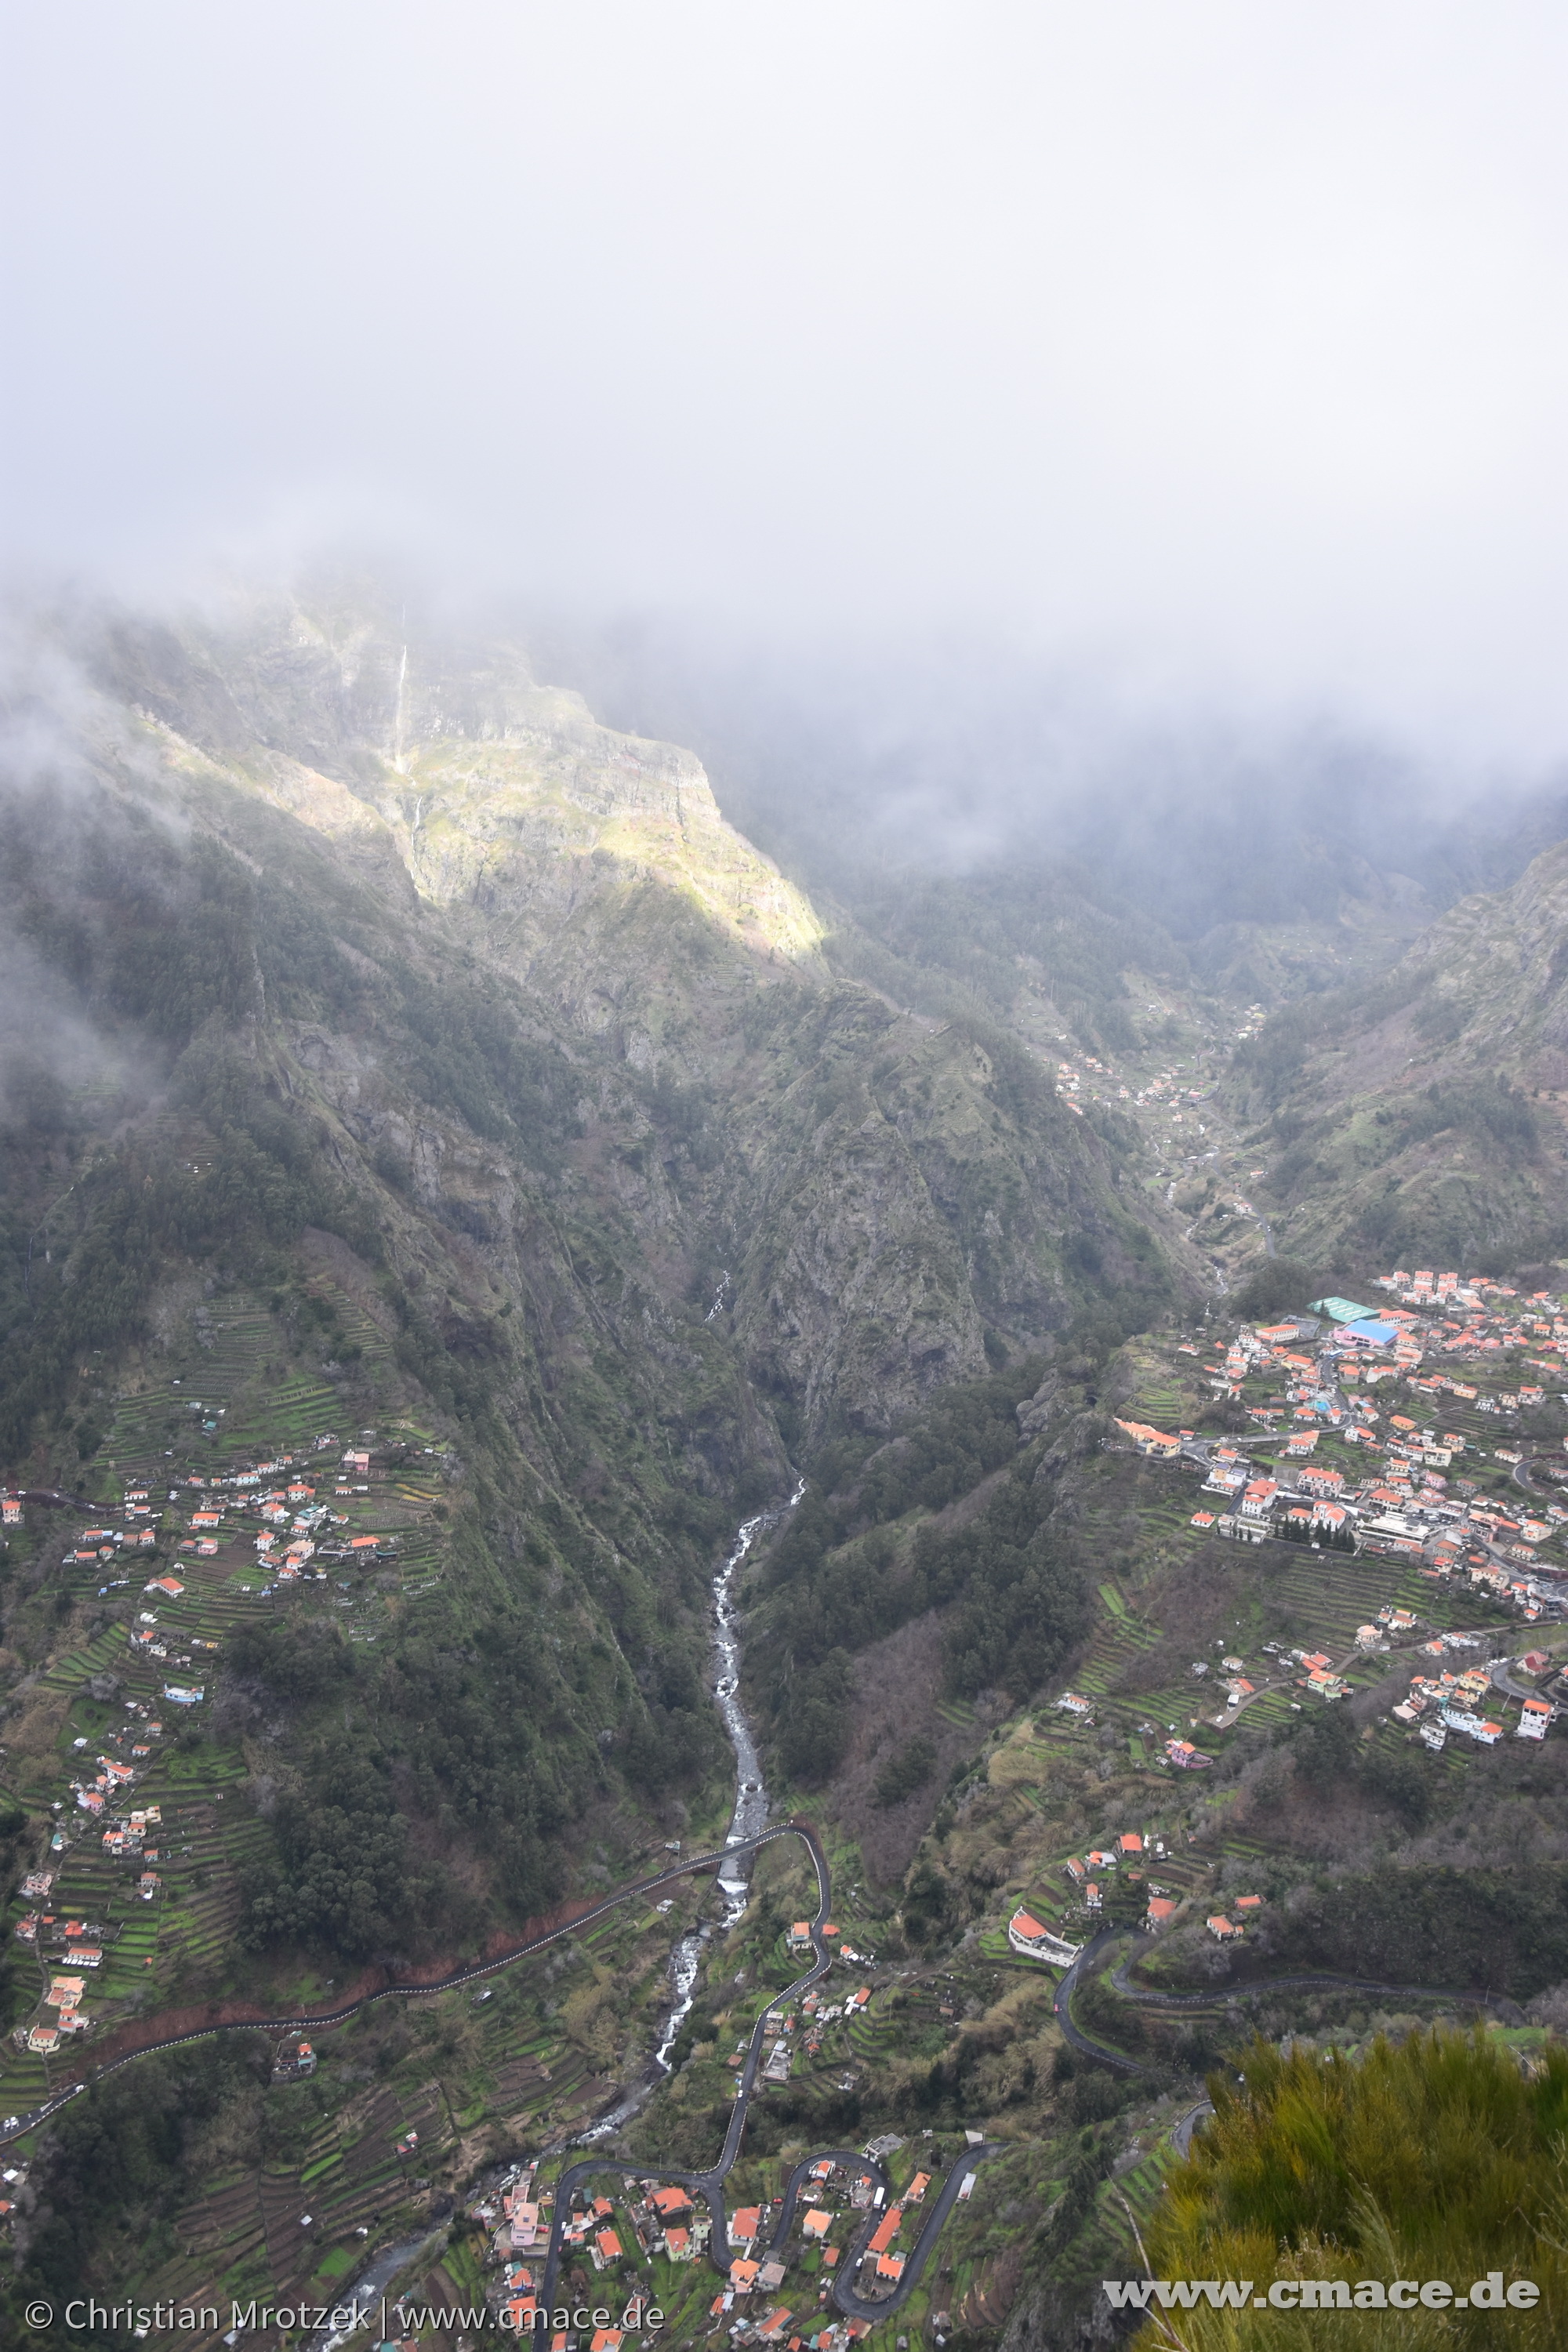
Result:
pixel 864 1194
pixel 1426 1114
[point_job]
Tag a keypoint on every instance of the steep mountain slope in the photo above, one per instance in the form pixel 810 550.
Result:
pixel 357 980
pixel 1422 1119
pixel 596 870
pixel 388 1048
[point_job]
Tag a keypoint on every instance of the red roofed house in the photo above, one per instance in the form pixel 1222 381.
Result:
pixel 1318 1479
pixel 886 2229
pixel 1035 1941
pixel 1153 1442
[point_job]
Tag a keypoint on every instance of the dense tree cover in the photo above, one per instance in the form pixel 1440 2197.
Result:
pixel 489 1744
pixel 169 946
pixel 174 948
pixel 676 1736
pixel 342 1876
pixel 909 1767
pixel 1431 1206
pixel 256 1184
pixel 15 1840
pixel 813 1716
pixel 1501 1931
pixel 1280 1285
pixel 967 1431
pixel 1325 1538
pixel 183 953
pixel 1491 1110
pixel 1020 1605
pixel 164 934
pixel 977 926
pixel 841 1578
pixel 1327 1749
pixel 960 945
pixel 463 1053
pixel 1487 1111
pixel 454 1734
pixel 1439 2159
pixel 115 2166
pixel 933 1905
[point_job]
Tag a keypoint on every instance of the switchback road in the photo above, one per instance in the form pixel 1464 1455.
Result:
pixel 708 2185
pixel 1221 1995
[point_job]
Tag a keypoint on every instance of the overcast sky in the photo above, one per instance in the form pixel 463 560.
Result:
pixel 1217 348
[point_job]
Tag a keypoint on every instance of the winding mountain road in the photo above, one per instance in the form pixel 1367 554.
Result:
pixel 709 2184
pixel 1227 1995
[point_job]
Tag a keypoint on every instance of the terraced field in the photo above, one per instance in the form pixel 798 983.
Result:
pixel 167 1910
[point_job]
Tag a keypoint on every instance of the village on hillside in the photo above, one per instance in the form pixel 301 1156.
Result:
pixel 272 1528
pixel 1400 1534
pixel 639 2238
pixel 1326 1461
pixel 1329 1463
pixel 1395 1475
pixel 228 1509
pixel 244 1504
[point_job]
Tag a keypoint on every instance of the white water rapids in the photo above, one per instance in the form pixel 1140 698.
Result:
pixel 750 1816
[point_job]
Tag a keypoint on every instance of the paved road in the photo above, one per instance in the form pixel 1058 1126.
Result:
pixel 709 2184
pixel 859 2306
pixel 1181 2130
pixel 1314 1982
pixel 1063 2006
pixel 13 2127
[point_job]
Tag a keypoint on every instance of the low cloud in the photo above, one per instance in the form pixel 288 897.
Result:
pixel 1212 357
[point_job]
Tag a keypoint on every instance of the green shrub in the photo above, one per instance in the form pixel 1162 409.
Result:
pixel 1440 2159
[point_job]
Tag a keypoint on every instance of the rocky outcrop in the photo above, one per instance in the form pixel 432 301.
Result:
pixel 877 1193
pixel 1428 1116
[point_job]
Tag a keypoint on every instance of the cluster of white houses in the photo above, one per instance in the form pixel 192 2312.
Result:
pixel 1405 1507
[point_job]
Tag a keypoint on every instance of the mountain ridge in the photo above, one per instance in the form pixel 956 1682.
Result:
pixel 624 1189
pixel 1424 1115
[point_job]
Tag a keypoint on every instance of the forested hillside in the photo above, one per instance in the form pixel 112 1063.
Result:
pixel 1419 1117
pixel 449 1180
pixel 363 981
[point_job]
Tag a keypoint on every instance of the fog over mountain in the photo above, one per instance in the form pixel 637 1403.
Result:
pixel 783 1116
pixel 1210 360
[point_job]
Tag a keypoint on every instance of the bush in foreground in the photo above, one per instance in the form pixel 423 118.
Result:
pixel 1437 2158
